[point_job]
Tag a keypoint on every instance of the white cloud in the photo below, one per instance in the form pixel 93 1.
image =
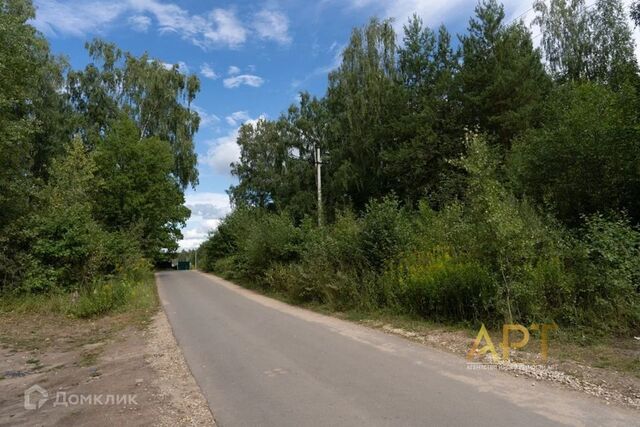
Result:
pixel 75 18
pixel 219 27
pixel 229 30
pixel 206 119
pixel 139 23
pixel 225 150
pixel 233 70
pixel 238 117
pixel 433 12
pixel 207 210
pixel 182 66
pixel 208 72
pixel 222 152
pixel 243 79
pixel 272 25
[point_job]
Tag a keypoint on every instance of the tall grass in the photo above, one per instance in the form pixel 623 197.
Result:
pixel 116 295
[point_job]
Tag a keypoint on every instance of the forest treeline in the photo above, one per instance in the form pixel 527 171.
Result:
pixel 477 179
pixel 94 164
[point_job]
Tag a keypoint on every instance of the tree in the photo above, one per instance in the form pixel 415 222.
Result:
pixel 32 118
pixel 276 169
pixel 156 98
pixel 136 190
pixel 584 159
pixel 502 81
pixel 67 239
pixel 261 165
pixel 364 93
pixel 429 132
pixel 635 12
pixel 585 42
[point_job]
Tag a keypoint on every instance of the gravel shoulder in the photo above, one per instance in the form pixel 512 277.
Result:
pixel 610 385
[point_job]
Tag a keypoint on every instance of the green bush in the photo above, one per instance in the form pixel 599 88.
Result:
pixel 385 232
pixel 607 267
pixel 439 286
pixel 272 239
pixel 102 298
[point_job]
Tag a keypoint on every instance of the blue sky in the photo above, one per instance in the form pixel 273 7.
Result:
pixel 252 57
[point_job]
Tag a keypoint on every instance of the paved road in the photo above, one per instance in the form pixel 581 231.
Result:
pixel 260 362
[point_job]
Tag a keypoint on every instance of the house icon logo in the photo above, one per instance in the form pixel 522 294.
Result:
pixel 34 397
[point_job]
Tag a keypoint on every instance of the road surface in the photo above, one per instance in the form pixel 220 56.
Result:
pixel 260 362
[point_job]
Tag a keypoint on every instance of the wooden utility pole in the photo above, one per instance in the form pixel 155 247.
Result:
pixel 319 184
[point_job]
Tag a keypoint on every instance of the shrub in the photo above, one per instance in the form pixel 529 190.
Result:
pixel 385 232
pixel 102 298
pixel 607 264
pixel 272 239
pixel 436 285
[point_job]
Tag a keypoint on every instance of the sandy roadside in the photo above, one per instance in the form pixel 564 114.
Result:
pixel 95 373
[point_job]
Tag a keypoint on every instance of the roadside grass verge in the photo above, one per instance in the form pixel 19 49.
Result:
pixel 136 296
pixel 68 321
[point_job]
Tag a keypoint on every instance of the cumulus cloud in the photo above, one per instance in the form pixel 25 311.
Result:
pixel 218 27
pixel 225 150
pixel 75 18
pixel 206 119
pixel 272 25
pixel 207 210
pixel 234 119
pixel 208 72
pixel 432 11
pixel 222 152
pixel 233 70
pixel 182 66
pixel 139 23
pixel 243 79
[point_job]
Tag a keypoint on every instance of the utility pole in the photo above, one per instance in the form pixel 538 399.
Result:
pixel 319 183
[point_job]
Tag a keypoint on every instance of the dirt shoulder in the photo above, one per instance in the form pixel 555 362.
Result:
pixel 114 370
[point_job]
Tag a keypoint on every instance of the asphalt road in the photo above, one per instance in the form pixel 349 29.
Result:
pixel 260 362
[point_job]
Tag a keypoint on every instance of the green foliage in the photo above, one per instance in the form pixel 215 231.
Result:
pixel 151 95
pixel 489 257
pixel 133 292
pixel 510 167
pixel 102 299
pixel 439 287
pixel 65 232
pixel 609 273
pixel 29 127
pixel 532 217
pixel 385 232
pixel 584 159
pixel 257 239
pixel 502 81
pixel 93 165
pixel 582 42
pixel 271 239
pixel 136 190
